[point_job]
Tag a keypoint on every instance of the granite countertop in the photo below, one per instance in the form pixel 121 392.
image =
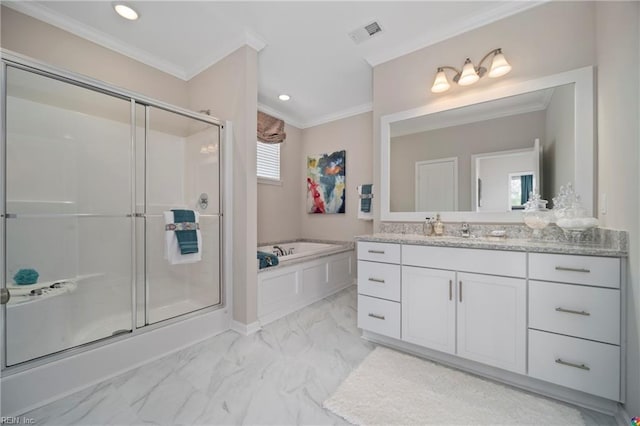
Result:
pixel 495 243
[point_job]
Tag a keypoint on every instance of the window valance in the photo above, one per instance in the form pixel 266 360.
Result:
pixel 270 129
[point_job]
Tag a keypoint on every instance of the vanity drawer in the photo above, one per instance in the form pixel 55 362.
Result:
pixel 493 262
pixel 379 280
pixel 379 252
pixel 587 270
pixel 584 365
pixel 588 312
pixel 379 316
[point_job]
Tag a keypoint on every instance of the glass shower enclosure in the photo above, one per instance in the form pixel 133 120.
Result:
pixel 90 177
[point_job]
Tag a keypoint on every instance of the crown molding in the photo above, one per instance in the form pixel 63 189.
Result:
pixel 43 13
pixel 247 39
pixel 323 119
pixel 505 10
pixel 253 40
pixel 84 31
pixel 339 115
pixel 279 114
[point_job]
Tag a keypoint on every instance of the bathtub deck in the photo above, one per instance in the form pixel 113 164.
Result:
pixel 339 248
pixel 293 285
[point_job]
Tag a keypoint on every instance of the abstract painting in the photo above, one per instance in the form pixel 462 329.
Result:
pixel 326 183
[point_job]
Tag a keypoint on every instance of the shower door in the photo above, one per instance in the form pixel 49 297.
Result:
pixel 182 170
pixel 68 215
pixel 89 176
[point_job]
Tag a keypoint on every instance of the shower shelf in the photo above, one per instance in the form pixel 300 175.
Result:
pixel 21 294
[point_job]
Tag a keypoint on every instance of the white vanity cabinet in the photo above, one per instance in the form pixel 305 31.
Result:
pixel 574 322
pixel 379 288
pixel 429 308
pixel 552 317
pixel 492 315
pixel 462 309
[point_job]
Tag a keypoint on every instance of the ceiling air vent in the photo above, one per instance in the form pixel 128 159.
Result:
pixel 365 33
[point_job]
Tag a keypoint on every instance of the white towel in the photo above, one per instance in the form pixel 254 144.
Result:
pixel 171 247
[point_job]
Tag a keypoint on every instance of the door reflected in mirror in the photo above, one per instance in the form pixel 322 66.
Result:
pixel 485 157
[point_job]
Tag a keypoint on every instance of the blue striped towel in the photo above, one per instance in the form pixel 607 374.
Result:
pixel 267 259
pixel 187 240
pixel 365 203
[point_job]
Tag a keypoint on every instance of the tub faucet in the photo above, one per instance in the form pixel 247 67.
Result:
pixel 465 230
pixel 279 251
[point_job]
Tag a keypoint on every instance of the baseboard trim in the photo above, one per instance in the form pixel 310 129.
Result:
pixel 622 417
pixel 245 329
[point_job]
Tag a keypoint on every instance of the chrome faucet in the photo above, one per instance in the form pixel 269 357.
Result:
pixel 278 251
pixel 465 230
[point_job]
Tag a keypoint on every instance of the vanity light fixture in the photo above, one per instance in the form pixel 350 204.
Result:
pixel 284 97
pixel 126 11
pixel 470 73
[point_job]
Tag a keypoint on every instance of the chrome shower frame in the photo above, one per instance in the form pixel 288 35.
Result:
pixel 11 59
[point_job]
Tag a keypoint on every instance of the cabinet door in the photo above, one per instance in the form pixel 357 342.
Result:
pixel 429 308
pixel 492 320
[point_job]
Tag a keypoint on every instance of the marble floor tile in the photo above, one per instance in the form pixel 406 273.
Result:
pixel 278 376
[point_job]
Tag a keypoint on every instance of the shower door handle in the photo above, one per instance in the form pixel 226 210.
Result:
pixel 4 296
pixel 203 201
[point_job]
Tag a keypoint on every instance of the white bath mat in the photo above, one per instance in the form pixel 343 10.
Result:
pixel 392 388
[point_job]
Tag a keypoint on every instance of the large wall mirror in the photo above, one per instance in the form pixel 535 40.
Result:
pixel 477 158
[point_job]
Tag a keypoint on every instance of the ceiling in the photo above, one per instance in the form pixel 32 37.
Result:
pixel 304 47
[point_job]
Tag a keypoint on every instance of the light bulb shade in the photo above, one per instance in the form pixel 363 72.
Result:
pixel 440 84
pixel 468 75
pixel 499 66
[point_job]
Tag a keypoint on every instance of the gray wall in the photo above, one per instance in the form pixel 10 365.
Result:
pixel 279 217
pixel 500 134
pixel 230 89
pixel 618 52
pixel 559 143
pixel 352 134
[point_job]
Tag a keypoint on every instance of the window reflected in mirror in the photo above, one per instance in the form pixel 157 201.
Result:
pixel 521 186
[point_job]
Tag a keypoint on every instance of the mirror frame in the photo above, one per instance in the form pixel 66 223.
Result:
pixel 584 148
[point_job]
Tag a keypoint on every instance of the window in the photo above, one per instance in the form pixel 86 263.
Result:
pixel 522 184
pixel 269 161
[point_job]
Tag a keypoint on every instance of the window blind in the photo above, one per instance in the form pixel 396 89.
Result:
pixel 268 159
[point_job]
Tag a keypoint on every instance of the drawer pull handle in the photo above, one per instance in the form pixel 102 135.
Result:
pixel 460 292
pixel 571 311
pixel 564 268
pixel 450 289
pixel 376 316
pixel 376 280
pixel 571 364
pixel 376 251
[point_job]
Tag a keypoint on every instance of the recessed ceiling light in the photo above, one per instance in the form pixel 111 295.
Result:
pixel 284 97
pixel 125 11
